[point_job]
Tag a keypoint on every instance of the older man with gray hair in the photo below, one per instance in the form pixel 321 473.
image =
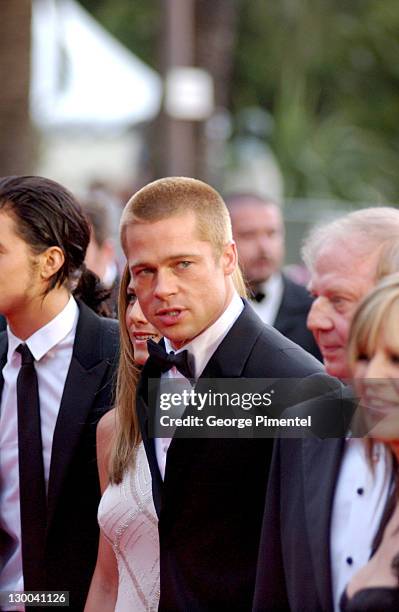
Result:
pixel 325 502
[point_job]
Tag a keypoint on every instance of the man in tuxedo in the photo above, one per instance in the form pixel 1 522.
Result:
pixel 57 361
pixel 258 230
pixel 324 502
pixel 209 493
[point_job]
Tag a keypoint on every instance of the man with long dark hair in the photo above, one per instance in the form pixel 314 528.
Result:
pixel 56 359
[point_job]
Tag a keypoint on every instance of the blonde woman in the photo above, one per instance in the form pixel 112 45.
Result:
pixel 374 358
pixel 126 576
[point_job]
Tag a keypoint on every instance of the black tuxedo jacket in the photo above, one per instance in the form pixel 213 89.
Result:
pixel 211 502
pixel 294 570
pixel 73 490
pixel 292 314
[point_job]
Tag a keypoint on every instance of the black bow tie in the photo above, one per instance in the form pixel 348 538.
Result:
pixel 183 361
pixel 259 296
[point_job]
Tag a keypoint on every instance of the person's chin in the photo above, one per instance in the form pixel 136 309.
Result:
pixel 335 367
pixel 140 357
pixel 178 337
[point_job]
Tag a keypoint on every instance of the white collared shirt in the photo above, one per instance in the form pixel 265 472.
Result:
pixel 201 349
pixel 52 347
pixel 359 501
pixel 268 308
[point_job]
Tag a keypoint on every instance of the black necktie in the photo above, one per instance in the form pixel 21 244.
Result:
pixel 183 361
pixel 32 489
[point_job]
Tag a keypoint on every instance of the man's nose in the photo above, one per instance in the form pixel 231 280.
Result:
pixel 263 244
pixel 165 284
pixel 319 315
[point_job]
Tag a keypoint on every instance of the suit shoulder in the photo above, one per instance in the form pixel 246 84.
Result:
pixel 96 337
pixel 110 325
pixel 283 357
pixel 110 330
pixel 297 292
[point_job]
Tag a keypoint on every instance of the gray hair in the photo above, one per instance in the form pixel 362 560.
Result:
pixel 364 231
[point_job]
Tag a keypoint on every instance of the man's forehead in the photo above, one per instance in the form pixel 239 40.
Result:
pixel 256 216
pixel 335 269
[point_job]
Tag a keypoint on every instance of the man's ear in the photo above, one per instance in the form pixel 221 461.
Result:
pixel 229 258
pixel 51 260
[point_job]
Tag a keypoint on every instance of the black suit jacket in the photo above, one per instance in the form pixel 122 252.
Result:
pixel 210 504
pixel 294 570
pixel 73 490
pixel 292 314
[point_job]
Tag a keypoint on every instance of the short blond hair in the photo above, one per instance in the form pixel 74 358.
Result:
pixel 379 308
pixel 173 196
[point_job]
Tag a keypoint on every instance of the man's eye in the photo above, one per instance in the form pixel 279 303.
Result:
pixel 339 303
pixel 143 272
pixel 184 264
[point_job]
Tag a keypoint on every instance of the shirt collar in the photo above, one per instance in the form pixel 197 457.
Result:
pixel 48 336
pixel 273 284
pixel 203 346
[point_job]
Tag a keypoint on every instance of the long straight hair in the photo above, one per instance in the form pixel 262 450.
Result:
pixel 127 431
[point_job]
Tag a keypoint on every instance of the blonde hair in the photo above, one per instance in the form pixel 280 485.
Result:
pixel 239 282
pixel 379 308
pixel 127 431
pixel 172 196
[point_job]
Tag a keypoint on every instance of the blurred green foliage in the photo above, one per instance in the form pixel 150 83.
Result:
pixel 326 70
pixel 136 23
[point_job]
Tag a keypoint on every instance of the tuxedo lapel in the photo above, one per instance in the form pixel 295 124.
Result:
pixel 146 398
pixel 321 461
pixel 229 359
pixel 86 371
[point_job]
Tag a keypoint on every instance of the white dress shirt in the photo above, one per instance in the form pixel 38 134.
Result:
pixel 201 348
pixel 359 501
pixel 51 346
pixel 268 308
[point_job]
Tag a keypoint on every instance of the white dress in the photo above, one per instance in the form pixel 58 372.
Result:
pixel 127 518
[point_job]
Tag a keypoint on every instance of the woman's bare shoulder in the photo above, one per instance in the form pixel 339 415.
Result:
pixel 106 427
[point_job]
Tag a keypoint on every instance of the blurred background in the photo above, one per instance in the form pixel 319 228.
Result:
pixel 295 99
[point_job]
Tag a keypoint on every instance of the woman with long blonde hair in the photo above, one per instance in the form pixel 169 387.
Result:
pixel 126 576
